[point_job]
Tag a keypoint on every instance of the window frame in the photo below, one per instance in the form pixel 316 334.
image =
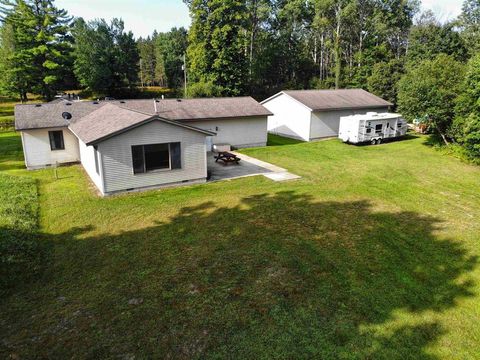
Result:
pixel 97 162
pixel 51 134
pixel 171 162
pixel 160 169
pixel 378 131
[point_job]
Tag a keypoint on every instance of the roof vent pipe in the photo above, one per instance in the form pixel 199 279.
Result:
pixel 155 106
pixel 163 97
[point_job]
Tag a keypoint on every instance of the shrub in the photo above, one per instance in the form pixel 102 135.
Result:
pixel 471 139
pixel 19 245
pixel 204 89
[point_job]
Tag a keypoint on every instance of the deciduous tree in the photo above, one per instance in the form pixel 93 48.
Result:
pixel 429 91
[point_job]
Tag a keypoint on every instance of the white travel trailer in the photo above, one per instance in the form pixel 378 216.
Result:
pixel 371 127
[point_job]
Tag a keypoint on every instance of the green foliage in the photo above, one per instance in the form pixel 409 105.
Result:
pixel 148 62
pixel 106 58
pixel 216 50
pixel 467 123
pixel 19 245
pixel 469 21
pixel 204 89
pixel 469 99
pixel 384 79
pixel 430 90
pixel 471 138
pixel 36 54
pixel 12 83
pixel 429 38
pixel 171 48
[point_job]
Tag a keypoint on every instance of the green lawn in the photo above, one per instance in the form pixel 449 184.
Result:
pixel 6 113
pixel 7 106
pixel 373 254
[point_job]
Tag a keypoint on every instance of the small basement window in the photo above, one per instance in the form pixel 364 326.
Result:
pixel 378 128
pixel 153 157
pixel 56 140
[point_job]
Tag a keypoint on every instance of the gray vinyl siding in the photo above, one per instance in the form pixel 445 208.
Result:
pixel 117 157
pixel 326 123
pixel 238 132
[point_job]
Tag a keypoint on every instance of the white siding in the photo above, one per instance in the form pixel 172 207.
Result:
pixel 87 157
pixel 117 157
pixel 326 123
pixel 290 118
pixel 36 147
pixel 240 133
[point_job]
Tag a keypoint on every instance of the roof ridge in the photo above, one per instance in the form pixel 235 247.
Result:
pixel 205 98
pixel 134 110
pixel 299 90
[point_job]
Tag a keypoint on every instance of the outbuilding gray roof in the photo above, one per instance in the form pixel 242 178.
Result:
pixel 325 100
pixel 35 116
pixel 111 119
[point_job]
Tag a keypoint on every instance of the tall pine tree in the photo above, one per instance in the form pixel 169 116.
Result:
pixel 217 51
pixel 106 57
pixel 40 54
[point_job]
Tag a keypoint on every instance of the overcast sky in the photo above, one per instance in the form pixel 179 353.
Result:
pixel 144 16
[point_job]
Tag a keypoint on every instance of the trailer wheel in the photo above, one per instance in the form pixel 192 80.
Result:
pixel 379 141
pixel 373 142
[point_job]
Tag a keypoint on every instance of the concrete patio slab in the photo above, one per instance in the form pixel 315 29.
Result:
pixel 248 166
pixel 281 176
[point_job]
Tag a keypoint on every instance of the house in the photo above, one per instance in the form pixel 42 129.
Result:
pixel 315 114
pixel 137 144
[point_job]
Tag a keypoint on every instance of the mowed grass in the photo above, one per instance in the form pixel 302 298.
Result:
pixel 373 254
pixel 6 113
pixel 7 106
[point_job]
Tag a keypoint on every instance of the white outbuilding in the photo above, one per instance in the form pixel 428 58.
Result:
pixel 314 114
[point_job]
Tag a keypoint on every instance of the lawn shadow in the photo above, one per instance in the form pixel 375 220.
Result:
pixel 408 137
pixel 9 165
pixel 278 276
pixel 277 140
pixel 433 140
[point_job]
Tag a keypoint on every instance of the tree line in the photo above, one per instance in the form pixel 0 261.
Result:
pixel 427 68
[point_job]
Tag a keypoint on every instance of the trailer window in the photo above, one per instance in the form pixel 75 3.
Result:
pixel 369 130
pixel 378 128
pixel 399 124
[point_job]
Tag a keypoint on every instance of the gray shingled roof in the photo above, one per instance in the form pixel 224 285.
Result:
pixel 111 119
pixel 200 109
pixel 50 115
pixel 324 100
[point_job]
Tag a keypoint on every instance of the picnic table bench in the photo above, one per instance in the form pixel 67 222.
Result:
pixel 227 158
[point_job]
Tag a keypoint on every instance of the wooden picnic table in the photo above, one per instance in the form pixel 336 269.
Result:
pixel 227 158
